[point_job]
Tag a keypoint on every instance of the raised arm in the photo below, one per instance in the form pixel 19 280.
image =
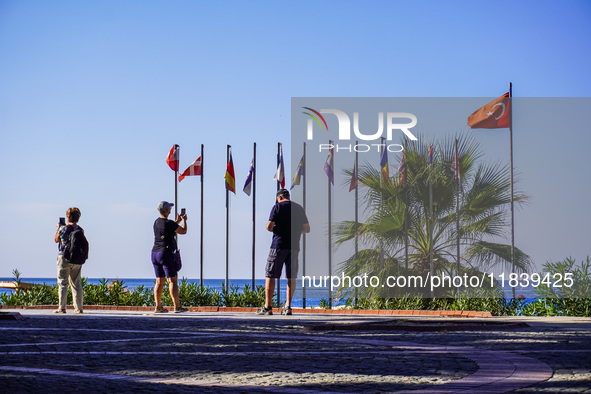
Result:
pixel 182 220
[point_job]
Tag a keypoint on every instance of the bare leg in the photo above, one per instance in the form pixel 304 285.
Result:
pixel 291 286
pixel 158 287
pixel 173 288
pixel 269 290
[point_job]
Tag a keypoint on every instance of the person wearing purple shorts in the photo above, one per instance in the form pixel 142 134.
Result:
pixel 165 231
pixel 287 221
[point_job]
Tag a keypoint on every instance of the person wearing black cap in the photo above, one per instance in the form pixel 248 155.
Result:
pixel 165 231
pixel 287 221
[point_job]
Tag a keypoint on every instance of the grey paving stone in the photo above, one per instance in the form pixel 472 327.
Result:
pixel 216 352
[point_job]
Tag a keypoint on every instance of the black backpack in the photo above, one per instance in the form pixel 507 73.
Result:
pixel 76 251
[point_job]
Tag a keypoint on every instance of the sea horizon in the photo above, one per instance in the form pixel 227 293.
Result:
pixel 314 295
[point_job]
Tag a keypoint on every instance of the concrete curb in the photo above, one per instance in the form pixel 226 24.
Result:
pixel 356 312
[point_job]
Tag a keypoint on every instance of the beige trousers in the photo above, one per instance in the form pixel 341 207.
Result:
pixel 72 273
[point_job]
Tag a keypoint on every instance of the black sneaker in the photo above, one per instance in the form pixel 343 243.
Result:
pixel 265 311
pixel 180 309
pixel 286 311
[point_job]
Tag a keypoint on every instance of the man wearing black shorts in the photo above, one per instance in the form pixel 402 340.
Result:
pixel 287 221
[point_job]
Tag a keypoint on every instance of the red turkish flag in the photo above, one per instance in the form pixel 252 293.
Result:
pixel 494 115
pixel 193 169
pixel 173 158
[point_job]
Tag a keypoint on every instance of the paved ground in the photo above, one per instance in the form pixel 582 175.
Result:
pixel 236 352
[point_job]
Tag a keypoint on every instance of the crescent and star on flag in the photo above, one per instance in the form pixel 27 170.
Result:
pixel 491 113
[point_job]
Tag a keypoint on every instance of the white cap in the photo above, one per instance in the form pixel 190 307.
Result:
pixel 165 205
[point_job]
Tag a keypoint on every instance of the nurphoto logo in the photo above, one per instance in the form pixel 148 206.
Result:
pixel 392 124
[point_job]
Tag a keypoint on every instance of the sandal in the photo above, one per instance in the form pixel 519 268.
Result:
pixel 286 311
pixel 160 309
pixel 180 309
pixel 59 311
pixel 265 311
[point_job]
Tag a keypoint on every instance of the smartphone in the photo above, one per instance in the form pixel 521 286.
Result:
pixel 62 221
pixel 183 211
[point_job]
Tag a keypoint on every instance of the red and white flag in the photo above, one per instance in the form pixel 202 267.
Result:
pixel 173 158
pixel 193 169
pixel 494 115
pixel 280 174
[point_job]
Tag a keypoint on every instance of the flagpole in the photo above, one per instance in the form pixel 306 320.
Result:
pixel 479 120
pixel 512 205
pixel 431 225
pixel 177 155
pixel 458 213
pixel 330 142
pixel 254 194
pixel 201 235
pixel 227 224
pixel 405 218
pixel 304 235
pixel 356 171
pixel 383 145
pixel 278 286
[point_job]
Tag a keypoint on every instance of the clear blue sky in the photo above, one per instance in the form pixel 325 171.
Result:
pixel 93 94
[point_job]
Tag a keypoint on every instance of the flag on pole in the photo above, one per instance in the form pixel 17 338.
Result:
pixel 280 175
pixel 402 171
pixel 353 176
pixel 230 178
pixel 431 154
pixel 193 169
pixel 173 158
pixel 494 115
pixel 384 165
pixel 455 166
pixel 298 174
pixel 329 165
pixel 248 184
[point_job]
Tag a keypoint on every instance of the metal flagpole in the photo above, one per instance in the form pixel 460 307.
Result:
pixel 201 236
pixel 254 194
pixel 330 143
pixel 356 171
pixel 383 145
pixel 405 218
pixel 177 156
pixel 304 235
pixel 458 211
pixel 431 225
pixel 177 151
pixel 227 223
pixel 278 285
pixel 512 205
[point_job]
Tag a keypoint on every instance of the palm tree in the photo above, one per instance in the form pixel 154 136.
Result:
pixel 482 201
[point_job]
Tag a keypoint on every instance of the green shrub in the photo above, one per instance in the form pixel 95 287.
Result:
pixel 247 298
pixel 553 301
pixel 556 295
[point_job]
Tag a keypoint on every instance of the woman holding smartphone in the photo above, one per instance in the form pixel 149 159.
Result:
pixel 165 231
